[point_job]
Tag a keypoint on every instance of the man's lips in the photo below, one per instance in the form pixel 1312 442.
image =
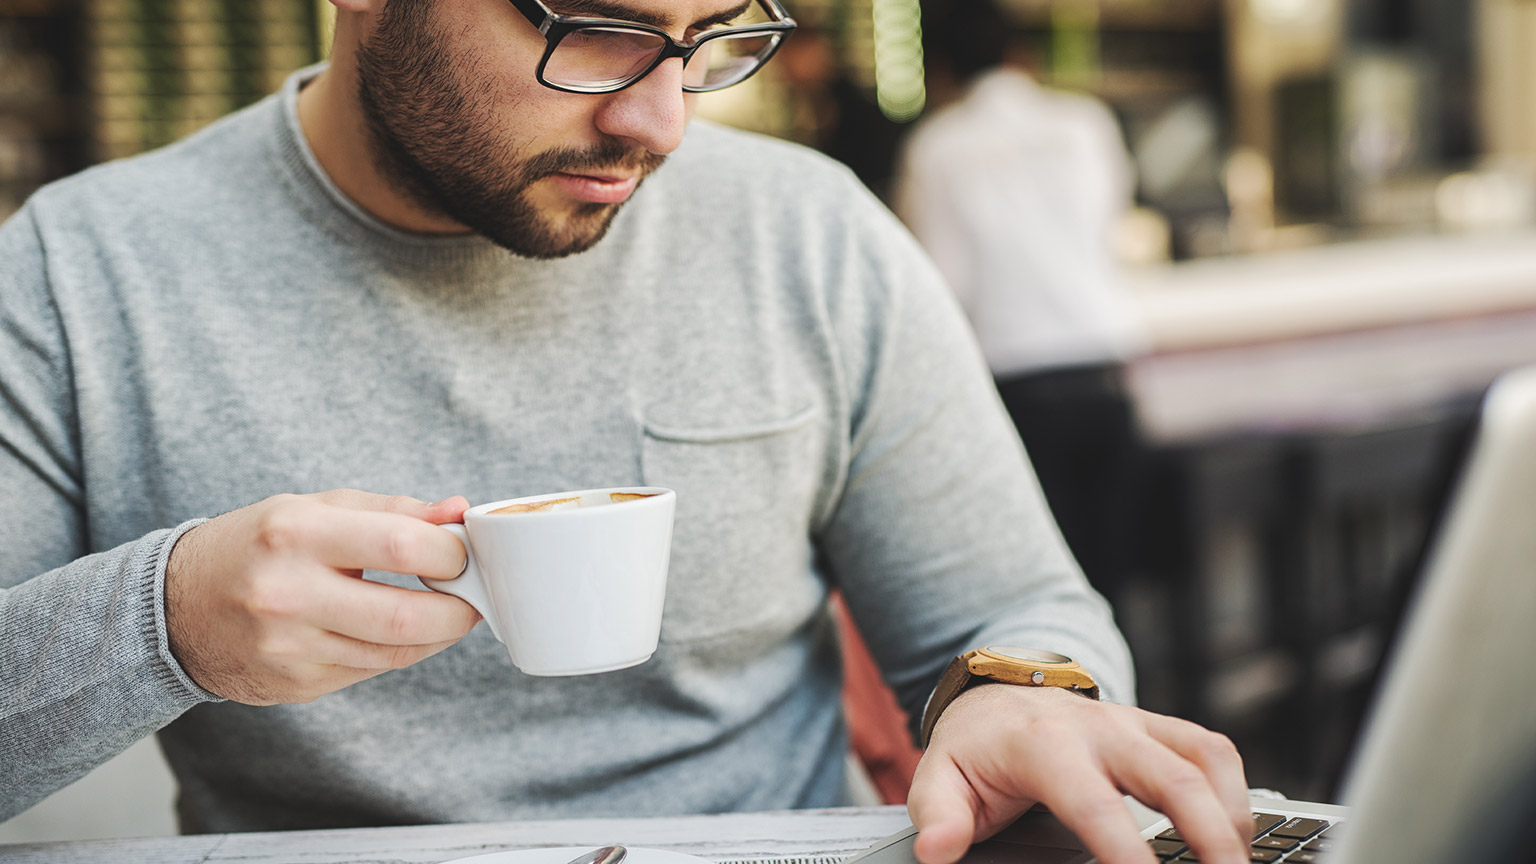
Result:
pixel 596 188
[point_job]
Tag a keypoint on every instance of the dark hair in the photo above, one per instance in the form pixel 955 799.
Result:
pixel 967 36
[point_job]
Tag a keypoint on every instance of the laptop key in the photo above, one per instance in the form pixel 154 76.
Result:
pixel 1171 834
pixel 1305 857
pixel 1322 844
pixel 1272 842
pixel 1166 849
pixel 1300 828
pixel 1264 855
pixel 1263 822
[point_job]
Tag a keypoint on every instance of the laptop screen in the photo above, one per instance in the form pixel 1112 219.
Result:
pixel 1455 724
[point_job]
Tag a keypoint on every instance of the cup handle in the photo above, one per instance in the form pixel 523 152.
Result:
pixel 468 585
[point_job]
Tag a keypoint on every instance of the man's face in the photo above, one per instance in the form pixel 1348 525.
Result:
pixel 457 121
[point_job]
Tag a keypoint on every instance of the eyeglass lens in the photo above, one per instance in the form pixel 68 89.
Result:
pixel 596 57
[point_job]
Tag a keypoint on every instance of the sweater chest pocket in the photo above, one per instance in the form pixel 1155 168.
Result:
pixel 741 551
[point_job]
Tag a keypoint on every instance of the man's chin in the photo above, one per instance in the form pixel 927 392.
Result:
pixel 577 233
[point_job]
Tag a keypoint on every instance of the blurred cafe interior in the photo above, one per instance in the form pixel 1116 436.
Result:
pixel 1329 250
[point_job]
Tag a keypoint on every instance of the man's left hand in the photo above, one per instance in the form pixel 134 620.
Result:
pixel 999 749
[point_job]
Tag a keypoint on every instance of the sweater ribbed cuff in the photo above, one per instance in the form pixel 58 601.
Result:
pixel 177 683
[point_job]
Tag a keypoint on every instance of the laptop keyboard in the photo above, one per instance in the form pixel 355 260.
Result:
pixel 1276 838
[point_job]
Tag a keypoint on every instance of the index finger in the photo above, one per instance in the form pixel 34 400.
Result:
pixel 1171 784
pixel 1085 800
pixel 447 510
pixel 1216 756
pixel 363 539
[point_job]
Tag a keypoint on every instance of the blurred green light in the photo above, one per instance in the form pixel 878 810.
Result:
pixel 898 36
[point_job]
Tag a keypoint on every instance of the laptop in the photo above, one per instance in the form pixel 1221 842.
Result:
pixel 1446 768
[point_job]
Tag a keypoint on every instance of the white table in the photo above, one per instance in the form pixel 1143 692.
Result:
pixel 795 837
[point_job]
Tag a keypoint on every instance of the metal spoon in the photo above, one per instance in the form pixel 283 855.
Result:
pixel 602 855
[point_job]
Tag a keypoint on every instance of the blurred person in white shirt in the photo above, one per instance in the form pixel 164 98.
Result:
pixel 1016 190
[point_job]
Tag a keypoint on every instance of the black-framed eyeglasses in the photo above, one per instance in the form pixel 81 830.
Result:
pixel 602 55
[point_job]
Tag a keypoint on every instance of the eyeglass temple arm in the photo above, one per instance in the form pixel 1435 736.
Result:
pixel 537 13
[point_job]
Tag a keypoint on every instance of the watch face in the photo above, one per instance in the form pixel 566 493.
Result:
pixel 1031 655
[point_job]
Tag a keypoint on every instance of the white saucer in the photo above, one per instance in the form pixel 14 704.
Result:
pixel 563 854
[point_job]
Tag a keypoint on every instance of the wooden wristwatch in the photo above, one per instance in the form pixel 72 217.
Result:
pixel 1008 665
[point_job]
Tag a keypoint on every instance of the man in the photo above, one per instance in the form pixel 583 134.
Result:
pixel 409 272
pixel 1016 190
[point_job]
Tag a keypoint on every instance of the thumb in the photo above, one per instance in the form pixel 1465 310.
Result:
pixel 942 806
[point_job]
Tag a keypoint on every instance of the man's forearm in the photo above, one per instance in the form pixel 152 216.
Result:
pixel 85 671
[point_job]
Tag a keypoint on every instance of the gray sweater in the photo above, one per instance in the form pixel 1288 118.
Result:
pixel 195 329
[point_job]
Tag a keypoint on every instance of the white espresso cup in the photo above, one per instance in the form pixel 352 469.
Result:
pixel 571 582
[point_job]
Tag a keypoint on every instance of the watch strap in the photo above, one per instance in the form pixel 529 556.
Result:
pixel 951 684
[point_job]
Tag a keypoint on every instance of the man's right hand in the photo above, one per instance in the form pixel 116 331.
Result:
pixel 266 604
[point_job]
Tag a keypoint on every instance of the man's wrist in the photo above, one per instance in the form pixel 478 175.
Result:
pixel 172 560
pixel 1004 665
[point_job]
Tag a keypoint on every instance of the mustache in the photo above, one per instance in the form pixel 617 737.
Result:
pixel 609 155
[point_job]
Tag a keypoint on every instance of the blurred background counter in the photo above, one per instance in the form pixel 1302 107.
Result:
pixel 1331 335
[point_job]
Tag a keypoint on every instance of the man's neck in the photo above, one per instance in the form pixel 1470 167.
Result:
pixel 332 123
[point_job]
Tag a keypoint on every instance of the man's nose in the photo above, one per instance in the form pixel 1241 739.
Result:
pixel 653 112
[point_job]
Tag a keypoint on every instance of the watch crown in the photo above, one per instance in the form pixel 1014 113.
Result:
pixel 1037 676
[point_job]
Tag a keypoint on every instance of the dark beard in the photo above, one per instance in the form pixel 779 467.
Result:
pixel 416 116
